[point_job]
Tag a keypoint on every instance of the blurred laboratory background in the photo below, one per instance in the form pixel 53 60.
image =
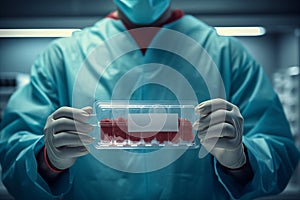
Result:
pixel 276 47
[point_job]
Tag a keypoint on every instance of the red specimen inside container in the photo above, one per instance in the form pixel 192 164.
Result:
pixel 117 130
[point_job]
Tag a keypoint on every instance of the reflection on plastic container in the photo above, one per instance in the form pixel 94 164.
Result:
pixel 144 124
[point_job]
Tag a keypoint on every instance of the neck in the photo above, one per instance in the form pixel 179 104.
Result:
pixel 164 18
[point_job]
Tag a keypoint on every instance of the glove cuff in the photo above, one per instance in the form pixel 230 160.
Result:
pixel 53 169
pixel 242 159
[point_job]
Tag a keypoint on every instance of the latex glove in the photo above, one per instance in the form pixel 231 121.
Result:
pixel 220 131
pixel 66 136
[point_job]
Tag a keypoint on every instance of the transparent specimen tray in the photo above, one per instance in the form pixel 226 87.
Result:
pixel 145 125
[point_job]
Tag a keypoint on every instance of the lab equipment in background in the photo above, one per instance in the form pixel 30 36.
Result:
pixel 145 124
pixel 286 83
pixel 9 82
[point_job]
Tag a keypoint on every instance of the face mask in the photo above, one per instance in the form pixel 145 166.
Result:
pixel 142 11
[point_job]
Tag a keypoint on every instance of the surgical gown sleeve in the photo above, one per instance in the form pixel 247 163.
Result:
pixel 21 135
pixel 271 149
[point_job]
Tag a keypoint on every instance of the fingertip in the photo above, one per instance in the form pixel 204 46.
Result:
pixel 87 109
pixel 92 139
pixel 87 128
pixel 88 149
pixel 91 127
pixel 85 150
pixel 201 140
pixel 87 138
pixel 196 125
pixel 199 107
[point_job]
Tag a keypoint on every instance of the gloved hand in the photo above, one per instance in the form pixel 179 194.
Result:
pixel 66 136
pixel 220 131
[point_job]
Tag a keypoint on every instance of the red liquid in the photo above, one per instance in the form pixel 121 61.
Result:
pixel 117 130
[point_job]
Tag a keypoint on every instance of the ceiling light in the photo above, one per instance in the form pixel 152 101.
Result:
pixel 22 33
pixel 241 31
pixel 11 33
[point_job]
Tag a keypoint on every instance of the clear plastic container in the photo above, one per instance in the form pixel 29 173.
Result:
pixel 145 124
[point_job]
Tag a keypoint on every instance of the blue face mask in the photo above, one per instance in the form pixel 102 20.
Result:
pixel 143 11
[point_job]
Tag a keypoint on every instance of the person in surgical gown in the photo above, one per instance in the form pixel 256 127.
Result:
pixel 146 51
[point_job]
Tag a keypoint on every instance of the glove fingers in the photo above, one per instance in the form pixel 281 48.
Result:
pixel 223 142
pixel 71 139
pixel 217 117
pixel 210 106
pixel 65 124
pixel 81 115
pixel 72 152
pixel 217 130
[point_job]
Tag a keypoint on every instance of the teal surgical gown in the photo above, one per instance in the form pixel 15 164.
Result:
pixel 184 60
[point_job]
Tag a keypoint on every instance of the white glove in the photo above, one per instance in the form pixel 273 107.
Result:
pixel 220 131
pixel 66 136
